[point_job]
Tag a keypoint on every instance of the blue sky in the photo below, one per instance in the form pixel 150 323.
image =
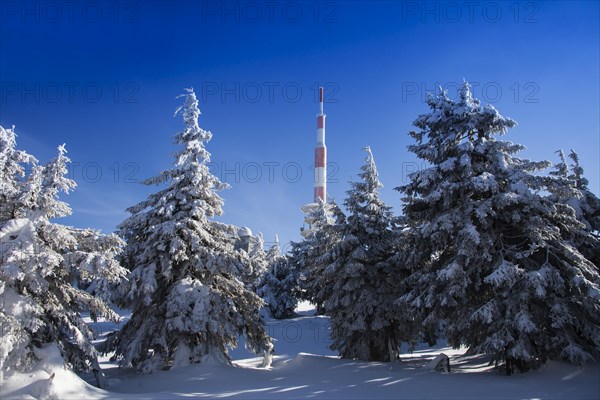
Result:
pixel 103 78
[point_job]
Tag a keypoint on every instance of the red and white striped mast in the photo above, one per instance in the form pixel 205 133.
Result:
pixel 320 155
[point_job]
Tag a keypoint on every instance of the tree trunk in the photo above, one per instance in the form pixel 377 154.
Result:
pixel 98 374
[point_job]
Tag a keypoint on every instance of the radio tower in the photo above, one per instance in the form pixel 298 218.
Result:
pixel 320 155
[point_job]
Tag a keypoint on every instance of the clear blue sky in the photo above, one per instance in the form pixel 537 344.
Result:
pixel 102 77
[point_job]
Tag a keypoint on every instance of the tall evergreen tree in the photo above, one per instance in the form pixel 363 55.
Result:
pixel 185 290
pixel 39 261
pixel 361 299
pixel 491 269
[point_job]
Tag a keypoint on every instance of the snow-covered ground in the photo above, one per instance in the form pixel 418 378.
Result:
pixel 304 367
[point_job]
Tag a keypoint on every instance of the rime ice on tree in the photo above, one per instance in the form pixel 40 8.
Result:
pixel 570 188
pixel 491 266
pixel 278 285
pixel 359 281
pixel 306 256
pixel 185 287
pixel 39 262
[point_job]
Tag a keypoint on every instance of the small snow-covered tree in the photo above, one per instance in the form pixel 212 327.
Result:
pixel 258 262
pixel 306 256
pixel 185 290
pixel 490 267
pixel 278 286
pixel 360 298
pixel 570 187
pixel 39 261
pixel 40 195
pixel 99 271
pixel 12 172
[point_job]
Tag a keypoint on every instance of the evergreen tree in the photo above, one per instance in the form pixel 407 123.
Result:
pixel 571 188
pixel 409 326
pixel 278 286
pixel 490 267
pixel 12 172
pixel 40 260
pixel 185 290
pixel 588 209
pixel 360 300
pixel 259 264
pixel 306 256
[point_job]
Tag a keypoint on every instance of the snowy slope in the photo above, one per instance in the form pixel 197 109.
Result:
pixel 305 368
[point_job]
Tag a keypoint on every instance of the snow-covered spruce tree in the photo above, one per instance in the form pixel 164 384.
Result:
pixel 258 263
pixel 188 302
pixel 306 256
pixel 491 269
pixel 571 187
pixel 278 286
pixel 40 260
pixel 12 172
pixel 360 301
pixel 409 325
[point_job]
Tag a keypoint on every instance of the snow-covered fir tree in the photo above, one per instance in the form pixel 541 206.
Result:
pixel 39 261
pixel 279 285
pixel 12 172
pixel 363 282
pixel 571 188
pixel 185 290
pixel 409 327
pixel 491 268
pixel 306 256
pixel 253 246
pixel 587 211
pixel 258 262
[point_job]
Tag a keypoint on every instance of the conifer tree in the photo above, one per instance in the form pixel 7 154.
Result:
pixel 490 267
pixel 185 290
pixel 40 260
pixel 360 280
pixel 306 255
pixel 278 286
pixel 570 187
pixel 12 172
pixel 258 262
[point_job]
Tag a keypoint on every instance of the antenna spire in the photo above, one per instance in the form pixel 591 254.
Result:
pixel 320 192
